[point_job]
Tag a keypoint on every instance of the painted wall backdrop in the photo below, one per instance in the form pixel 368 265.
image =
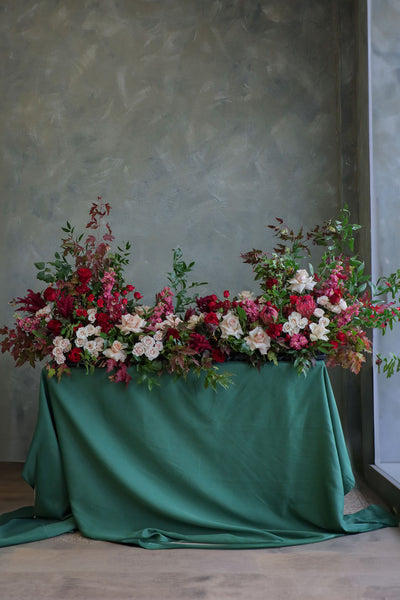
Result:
pixel 199 121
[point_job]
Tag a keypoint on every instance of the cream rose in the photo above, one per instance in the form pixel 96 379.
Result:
pixel 230 325
pixel 92 314
pixel 131 324
pixel 301 281
pixel 116 351
pixel 138 349
pixel 152 353
pixel 294 323
pixel 258 339
pixel 318 331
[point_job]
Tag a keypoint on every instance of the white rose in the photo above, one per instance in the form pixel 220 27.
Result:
pixel 324 321
pixel 258 339
pixel 294 323
pixel 159 346
pixel 80 342
pixel 301 281
pixel 230 325
pixel 92 314
pixel 90 346
pixel 138 349
pixel 132 323
pixel 318 332
pixel 91 330
pixel 246 295
pixel 58 355
pixel 158 336
pixel 318 312
pixel 147 341
pixel 45 311
pixel 323 300
pixel 171 321
pixel 99 343
pixel 116 351
pixel 152 353
pixel 193 321
pixel 81 333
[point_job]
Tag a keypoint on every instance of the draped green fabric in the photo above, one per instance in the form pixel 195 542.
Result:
pixel 262 464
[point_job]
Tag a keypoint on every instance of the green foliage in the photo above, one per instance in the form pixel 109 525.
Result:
pixel 177 279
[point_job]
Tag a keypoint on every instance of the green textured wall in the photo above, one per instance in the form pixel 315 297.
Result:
pixel 199 121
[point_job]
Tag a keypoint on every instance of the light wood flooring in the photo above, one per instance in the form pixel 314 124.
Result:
pixel 359 567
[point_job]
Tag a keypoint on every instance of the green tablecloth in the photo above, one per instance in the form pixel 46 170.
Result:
pixel 261 464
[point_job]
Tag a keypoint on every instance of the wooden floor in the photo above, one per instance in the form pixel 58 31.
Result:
pixel 359 567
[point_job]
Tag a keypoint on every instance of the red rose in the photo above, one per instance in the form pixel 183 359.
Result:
pixel 130 288
pixel 341 337
pixel 100 302
pixel 81 312
pixel 75 355
pixel 218 356
pixel 54 326
pixel 137 295
pixel 50 294
pixel 90 298
pixel 226 294
pixel 82 289
pixel 211 318
pixel 84 275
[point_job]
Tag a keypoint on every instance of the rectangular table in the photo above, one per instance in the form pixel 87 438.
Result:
pixel 262 464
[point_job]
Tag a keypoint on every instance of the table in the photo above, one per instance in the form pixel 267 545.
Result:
pixel 262 464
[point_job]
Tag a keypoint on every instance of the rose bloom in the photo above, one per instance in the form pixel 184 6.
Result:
pixel 318 312
pixel 50 294
pixel 84 275
pixel 116 351
pixel 44 312
pixel 54 326
pixel 301 281
pixel 211 318
pixel 246 295
pixel 258 339
pixel 63 343
pixel 138 349
pixel 158 336
pixel 147 341
pixel 75 355
pixel 58 355
pixel 294 323
pixel 131 324
pixel 318 332
pixel 92 314
pixel 152 353
pixel 91 347
pixel 218 356
pixel 230 325
pixel 193 321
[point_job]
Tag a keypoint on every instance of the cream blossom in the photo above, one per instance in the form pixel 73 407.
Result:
pixel 92 314
pixel 193 321
pixel 142 310
pixel 138 349
pixel 158 336
pixel 63 343
pixel 152 353
pixel 323 300
pixel 171 321
pixel 319 331
pixel 159 346
pixel 45 311
pixel 258 339
pixel 116 351
pixel 132 324
pixel 318 312
pixel 301 281
pixel 81 333
pixel 92 330
pixel 147 341
pixel 58 355
pixel 339 307
pixel 246 295
pixel 91 347
pixel 230 325
pixel 294 323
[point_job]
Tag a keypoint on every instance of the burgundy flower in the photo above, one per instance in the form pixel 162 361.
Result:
pixel 65 305
pixel 50 294
pixel 84 275
pixel 172 332
pixel 305 305
pixel 218 356
pixel 32 302
pixel 82 289
pixel 54 326
pixel 199 342
pixel 211 318
pixel 75 355
pixel 103 320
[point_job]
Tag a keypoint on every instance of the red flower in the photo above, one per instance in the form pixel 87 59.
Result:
pixel 50 294
pixel 103 321
pixel 75 355
pixel 305 305
pixel 341 337
pixel 271 282
pixel 84 275
pixel 82 289
pixel 226 294
pixel 199 342
pixel 218 356
pixel 81 312
pixel 90 298
pixel 65 305
pixel 137 295
pixel 274 330
pixel 54 326
pixel 100 302
pixel 172 332
pixel 211 318
pixel 130 288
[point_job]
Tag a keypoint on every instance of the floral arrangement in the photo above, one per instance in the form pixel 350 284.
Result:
pixel 87 316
